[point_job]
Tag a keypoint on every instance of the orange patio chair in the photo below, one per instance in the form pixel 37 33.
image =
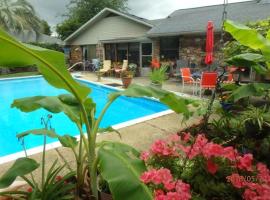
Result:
pixel 208 81
pixel 187 78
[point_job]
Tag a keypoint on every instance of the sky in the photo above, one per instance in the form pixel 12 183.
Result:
pixel 52 10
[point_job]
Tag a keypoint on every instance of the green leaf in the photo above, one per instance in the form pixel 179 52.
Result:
pixel 174 102
pixel 268 35
pixel 50 63
pixel 124 179
pixel 68 141
pixel 21 167
pixel 109 129
pixel 55 104
pixel 252 89
pixel 49 133
pixel 249 60
pixel 248 37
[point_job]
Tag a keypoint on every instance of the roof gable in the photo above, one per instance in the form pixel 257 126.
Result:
pixel 102 14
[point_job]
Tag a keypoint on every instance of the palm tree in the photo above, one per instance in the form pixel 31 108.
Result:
pixel 19 15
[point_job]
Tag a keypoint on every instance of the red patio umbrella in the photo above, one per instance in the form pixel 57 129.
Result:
pixel 209 43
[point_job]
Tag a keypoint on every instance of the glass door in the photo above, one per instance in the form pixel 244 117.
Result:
pixel 146 55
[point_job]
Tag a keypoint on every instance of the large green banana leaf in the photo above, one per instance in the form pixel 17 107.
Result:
pixel 55 104
pixel 248 37
pixel 21 167
pixel 50 63
pixel 121 167
pixel 252 89
pixel 176 103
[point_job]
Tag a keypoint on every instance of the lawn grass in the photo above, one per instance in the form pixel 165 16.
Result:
pixel 19 74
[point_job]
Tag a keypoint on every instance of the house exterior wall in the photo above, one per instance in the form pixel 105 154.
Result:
pixel 156 48
pixel 192 48
pixel 110 28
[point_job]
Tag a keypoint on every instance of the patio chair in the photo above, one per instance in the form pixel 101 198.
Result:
pixel 96 64
pixel 107 64
pixel 123 68
pixel 208 81
pixel 179 64
pixel 187 79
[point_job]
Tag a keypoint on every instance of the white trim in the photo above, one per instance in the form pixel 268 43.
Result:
pixel 100 14
pixel 20 77
pixel 53 145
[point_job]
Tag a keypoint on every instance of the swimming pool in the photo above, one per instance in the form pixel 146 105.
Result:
pixel 13 121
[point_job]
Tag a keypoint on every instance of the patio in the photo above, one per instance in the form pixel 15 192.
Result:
pixel 172 84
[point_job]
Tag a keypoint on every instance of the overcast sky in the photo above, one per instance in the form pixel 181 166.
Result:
pixel 52 10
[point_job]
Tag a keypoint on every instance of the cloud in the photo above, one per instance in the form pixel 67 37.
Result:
pixel 52 10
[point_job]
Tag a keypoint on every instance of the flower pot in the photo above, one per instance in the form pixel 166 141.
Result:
pixel 126 81
pixel 156 85
pixel 105 196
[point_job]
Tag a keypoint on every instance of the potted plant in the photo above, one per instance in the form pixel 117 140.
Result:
pixel 158 76
pixel 128 74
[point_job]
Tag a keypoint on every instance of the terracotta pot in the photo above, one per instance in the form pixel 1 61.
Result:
pixel 105 196
pixel 126 81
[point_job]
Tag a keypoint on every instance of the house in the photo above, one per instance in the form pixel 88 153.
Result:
pixel 117 36
pixel 28 36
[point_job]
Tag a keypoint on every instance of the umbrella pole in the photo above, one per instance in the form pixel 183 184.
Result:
pixel 213 97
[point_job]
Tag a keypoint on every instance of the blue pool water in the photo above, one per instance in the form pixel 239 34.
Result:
pixel 12 121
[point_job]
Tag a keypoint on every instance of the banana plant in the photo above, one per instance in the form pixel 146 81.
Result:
pixel 259 61
pixel 77 105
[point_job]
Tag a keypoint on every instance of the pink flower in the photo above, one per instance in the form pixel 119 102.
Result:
pixel 197 147
pixel 162 148
pixel 157 176
pixel 165 175
pixel 169 185
pixel 263 173
pixel 182 187
pixel 211 167
pixel 186 137
pixel 158 193
pixel 245 162
pixel 211 149
pixel 160 197
pixel 148 176
pixel 144 156
pixel 230 153
pixel 174 138
pixel 249 194
pixel 173 196
pixel 236 180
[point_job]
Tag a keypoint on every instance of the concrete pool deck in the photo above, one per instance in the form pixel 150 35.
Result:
pixel 140 135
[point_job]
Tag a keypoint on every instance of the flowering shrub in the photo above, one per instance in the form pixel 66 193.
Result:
pixel 182 167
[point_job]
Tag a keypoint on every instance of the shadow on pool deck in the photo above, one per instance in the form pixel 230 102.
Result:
pixel 140 135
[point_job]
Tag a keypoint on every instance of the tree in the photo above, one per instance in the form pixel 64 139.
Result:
pixel 46 29
pixel 80 11
pixel 18 15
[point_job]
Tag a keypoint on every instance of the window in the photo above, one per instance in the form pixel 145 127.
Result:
pixel 169 48
pixel 146 54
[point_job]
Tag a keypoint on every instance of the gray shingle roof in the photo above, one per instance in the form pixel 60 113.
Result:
pixel 194 20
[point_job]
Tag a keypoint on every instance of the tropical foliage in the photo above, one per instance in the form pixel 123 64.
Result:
pixel 158 75
pixel 19 15
pixel 80 11
pixel 81 110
